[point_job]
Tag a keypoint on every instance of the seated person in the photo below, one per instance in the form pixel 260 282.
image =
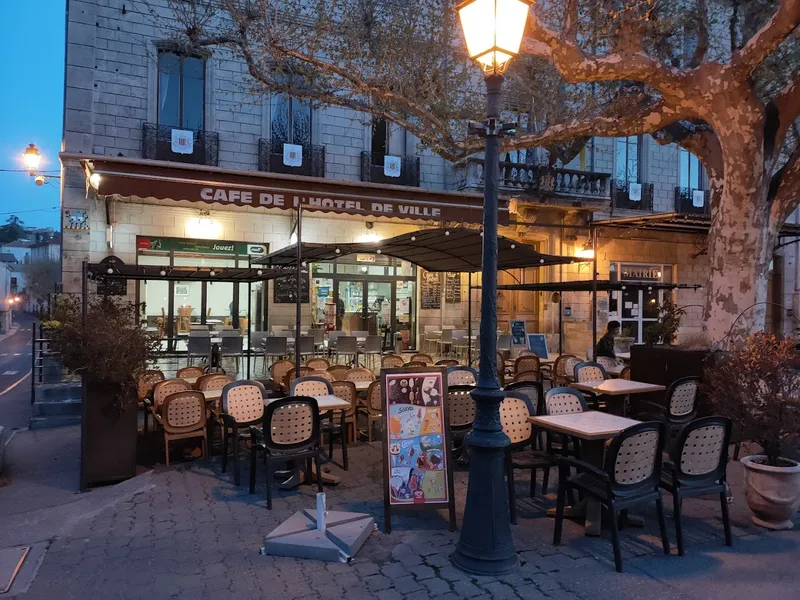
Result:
pixel 605 345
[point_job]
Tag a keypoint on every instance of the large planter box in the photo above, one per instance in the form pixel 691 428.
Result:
pixel 663 365
pixel 108 442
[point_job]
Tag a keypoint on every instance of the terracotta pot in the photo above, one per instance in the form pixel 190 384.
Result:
pixel 773 493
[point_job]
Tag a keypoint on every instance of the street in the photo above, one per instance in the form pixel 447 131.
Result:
pixel 15 366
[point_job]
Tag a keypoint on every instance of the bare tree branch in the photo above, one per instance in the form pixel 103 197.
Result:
pixel 781 114
pixel 785 20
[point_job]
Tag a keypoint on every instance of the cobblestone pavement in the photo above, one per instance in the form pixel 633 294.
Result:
pixel 194 534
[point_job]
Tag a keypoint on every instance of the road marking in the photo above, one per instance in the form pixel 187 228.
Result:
pixel 15 384
pixel 16 354
pixel 4 354
pixel 9 372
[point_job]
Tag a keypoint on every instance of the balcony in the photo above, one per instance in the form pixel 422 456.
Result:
pixel 685 201
pixel 517 177
pixel 621 197
pixel 272 162
pixel 157 145
pixel 409 170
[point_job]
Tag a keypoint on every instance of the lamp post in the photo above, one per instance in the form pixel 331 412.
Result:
pixel 493 30
pixel 32 159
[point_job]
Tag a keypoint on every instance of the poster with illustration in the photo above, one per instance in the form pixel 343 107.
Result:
pixel 416 436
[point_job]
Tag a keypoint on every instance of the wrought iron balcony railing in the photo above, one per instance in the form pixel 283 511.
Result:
pixel 515 177
pixel 372 169
pixel 157 145
pixel 687 203
pixel 621 196
pixel 269 160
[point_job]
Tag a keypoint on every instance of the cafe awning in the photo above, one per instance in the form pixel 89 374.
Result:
pixel 603 285
pixel 677 223
pixel 437 250
pixel 112 270
pixel 141 178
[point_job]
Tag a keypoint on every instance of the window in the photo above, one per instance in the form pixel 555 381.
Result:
pixel 181 91
pixel 626 165
pixel 380 140
pixel 291 122
pixel 691 171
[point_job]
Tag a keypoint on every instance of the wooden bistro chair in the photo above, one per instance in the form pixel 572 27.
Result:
pixel 359 374
pixel 373 409
pixel 563 370
pixel 190 373
pixel 324 374
pixel 625 373
pixel 279 369
pixel 318 364
pixel 630 477
pixel 291 431
pixel 606 362
pixel 338 371
pixel 313 385
pixel 346 390
pixel 145 382
pixel 447 362
pixel 697 467
pixel 242 407
pixel 183 416
pixel 392 360
pixel 461 413
pixel 461 376
pixel 421 357
pixel 415 363
pixel 589 371
pixel 528 364
pixel 162 389
pixel 532 376
pixel 515 410
pixel 293 374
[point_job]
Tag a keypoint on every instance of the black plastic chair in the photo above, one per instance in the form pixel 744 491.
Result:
pixel 630 477
pixel 680 409
pixel 291 432
pixel 515 409
pixel 697 467
pixel 535 393
pixel 461 415
pixel 242 407
pixel 314 385
pixel 460 375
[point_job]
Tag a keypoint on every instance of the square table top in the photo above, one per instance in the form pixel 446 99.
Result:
pixel 191 380
pixel 588 425
pixel 617 387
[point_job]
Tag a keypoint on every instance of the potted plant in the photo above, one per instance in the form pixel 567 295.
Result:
pixel 758 387
pixel 624 341
pixel 106 349
pixel 665 329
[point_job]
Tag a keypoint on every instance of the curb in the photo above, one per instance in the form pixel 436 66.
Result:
pixel 14 329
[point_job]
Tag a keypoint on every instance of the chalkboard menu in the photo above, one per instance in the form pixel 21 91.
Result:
pixel 518 333
pixel 284 289
pixel 452 288
pixel 431 290
pixel 417 472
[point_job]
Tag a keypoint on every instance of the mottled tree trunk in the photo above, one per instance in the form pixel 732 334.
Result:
pixel 741 238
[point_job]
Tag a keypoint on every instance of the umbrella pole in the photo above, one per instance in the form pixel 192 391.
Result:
pixel 298 293
pixel 469 319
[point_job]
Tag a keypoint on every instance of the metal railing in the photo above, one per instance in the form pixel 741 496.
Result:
pixel 157 145
pixel 621 196
pixel 372 169
pixel 271 161
pixel 515 177
pixel 684 201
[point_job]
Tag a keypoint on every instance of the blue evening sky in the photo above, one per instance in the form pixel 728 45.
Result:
pixel 31 105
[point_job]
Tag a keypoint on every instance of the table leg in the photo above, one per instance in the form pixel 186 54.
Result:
pixel 298 477
pixel 588 508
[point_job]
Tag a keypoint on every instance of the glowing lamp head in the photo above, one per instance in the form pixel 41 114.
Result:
pixel 32 158
pixel 94 181
pixel 493 30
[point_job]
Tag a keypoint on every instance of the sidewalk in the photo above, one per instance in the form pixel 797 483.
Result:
pixel 188 532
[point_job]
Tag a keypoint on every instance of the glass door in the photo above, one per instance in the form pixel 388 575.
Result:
pixel 638 309
pixel 350 306
pixel 405 315
pixel 379 311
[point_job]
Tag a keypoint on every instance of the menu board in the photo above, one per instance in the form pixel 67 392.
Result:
pixel 537 342
pixel 518 333
pixel 284 290
pixel 417 469
pixel 431 290
pixel 452 288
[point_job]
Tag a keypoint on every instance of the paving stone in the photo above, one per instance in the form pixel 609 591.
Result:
pixel 422 572
pixel 436 586
pixel 500 590
pixel 406 585
pixel 466 589
pixel 394 570
pixel 378 582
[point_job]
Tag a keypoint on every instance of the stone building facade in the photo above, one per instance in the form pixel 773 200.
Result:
pixel 116 107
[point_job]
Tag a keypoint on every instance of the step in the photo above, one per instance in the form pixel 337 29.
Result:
pixel 53 421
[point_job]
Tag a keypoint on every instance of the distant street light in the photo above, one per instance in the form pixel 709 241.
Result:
pixel 493 30
pixel 32 159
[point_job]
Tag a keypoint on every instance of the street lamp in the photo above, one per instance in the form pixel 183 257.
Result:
pixel 32 158
pixel 493 30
